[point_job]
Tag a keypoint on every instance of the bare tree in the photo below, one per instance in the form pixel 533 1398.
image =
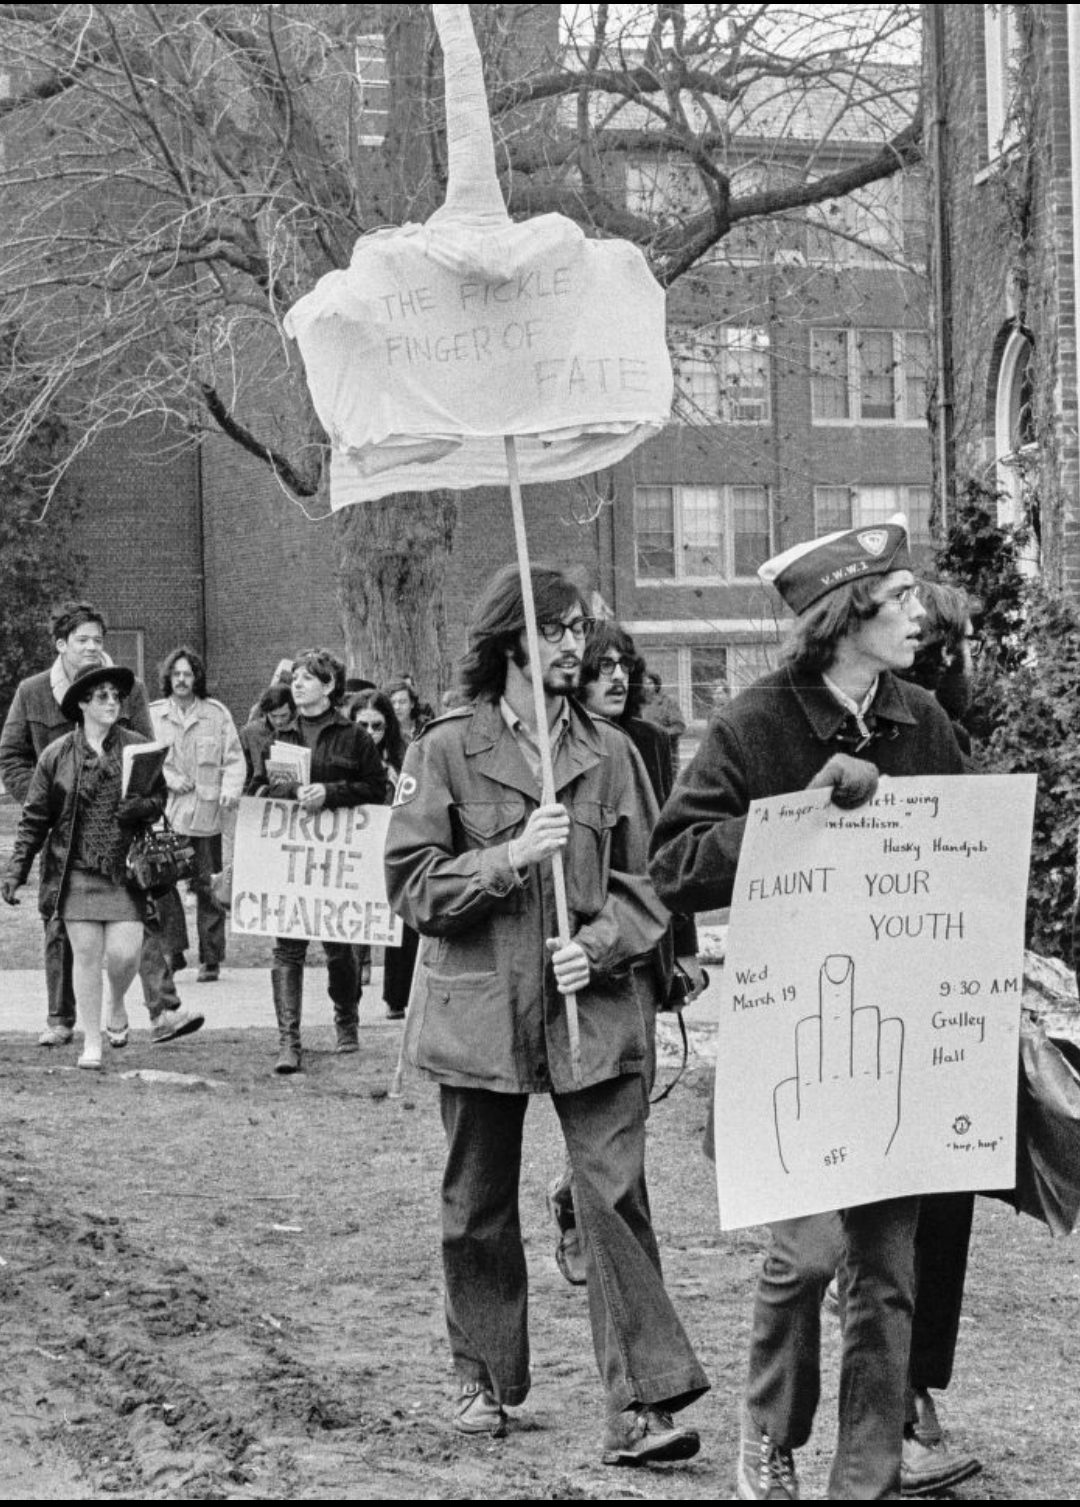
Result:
pixel 175 176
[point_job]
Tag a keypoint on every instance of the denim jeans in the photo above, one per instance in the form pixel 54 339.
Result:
pixel 875 1244
pixel 641 1349
pixel 159 987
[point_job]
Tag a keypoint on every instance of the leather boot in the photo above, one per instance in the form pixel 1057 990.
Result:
pixel 343 972
pixel 287 983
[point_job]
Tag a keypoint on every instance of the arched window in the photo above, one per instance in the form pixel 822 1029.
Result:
pixel 1015 444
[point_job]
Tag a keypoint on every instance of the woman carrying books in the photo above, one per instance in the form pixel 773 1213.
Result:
pixel 75 812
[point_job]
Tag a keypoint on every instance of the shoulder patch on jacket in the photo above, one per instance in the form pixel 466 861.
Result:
pixel 407 786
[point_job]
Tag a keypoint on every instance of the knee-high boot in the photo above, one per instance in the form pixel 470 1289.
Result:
pixel 343 971
pixel 287 982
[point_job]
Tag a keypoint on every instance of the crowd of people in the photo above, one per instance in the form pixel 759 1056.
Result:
pixel 873 683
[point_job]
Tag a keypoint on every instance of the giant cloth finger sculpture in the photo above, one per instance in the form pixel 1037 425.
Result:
pixel 472 349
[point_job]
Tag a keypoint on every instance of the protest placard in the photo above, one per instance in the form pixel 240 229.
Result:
pixel 870 1014
pixel 312 874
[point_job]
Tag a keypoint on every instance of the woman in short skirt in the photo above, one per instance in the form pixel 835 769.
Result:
pixel 74 811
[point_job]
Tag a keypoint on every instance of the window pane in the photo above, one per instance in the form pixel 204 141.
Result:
pixel 654 532
pixel 746 375
pixel 875 505
pixel 700 514
pixel 697 381
pixel 916 369
pixel 125 646
pixel 832 509
pixel 829 374
pixel 877 378
pixel 750 524
pixel 708 679
pixel 918 514
pixel 749 662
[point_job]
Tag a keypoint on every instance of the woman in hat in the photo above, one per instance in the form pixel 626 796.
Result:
pixel 75 813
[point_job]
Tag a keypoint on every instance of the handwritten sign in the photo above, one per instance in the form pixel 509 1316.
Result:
pixel 413 363
pixel 869 1022
pixel 312 874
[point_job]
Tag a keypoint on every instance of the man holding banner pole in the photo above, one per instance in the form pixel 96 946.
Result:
pixel 467 864
pixel 834 715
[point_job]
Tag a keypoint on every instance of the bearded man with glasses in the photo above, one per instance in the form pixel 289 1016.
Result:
pixel 835 715
pixel 467 865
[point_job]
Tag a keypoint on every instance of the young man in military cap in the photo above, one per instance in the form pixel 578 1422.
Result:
pixel 834 715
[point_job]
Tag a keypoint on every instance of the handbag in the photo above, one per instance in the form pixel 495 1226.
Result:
pixel 158 859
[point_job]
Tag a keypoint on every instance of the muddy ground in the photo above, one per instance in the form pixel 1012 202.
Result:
pixel 231 1289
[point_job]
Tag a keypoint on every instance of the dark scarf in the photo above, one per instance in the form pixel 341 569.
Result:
pixel 99 843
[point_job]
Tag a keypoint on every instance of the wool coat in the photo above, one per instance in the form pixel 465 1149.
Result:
pixel 772 739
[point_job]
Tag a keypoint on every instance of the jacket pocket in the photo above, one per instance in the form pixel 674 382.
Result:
pixel 207 768
pixel 485 823
pixel 467 1030
pixel 589 858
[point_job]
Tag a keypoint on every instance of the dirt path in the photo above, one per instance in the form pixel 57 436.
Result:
pixel 232 1290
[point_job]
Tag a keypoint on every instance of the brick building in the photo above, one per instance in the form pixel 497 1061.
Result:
pixel 801 356
pixel 1004 144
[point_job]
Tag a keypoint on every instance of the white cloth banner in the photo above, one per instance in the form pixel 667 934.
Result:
pixel 418 367
pixel 312 874
pixel 869 1022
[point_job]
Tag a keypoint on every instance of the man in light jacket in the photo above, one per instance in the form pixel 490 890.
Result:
pixel 205 772
pixel 467 866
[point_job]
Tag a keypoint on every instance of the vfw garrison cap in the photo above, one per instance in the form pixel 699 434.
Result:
pixel 807 572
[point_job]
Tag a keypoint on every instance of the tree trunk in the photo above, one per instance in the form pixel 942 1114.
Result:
pixel 392 558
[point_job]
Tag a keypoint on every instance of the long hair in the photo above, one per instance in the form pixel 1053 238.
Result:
pixel 609 637
pixel 498 619
pixel 325 666
pixel 948 612
pixel 392 748
pixel 198 670
pixel 817 633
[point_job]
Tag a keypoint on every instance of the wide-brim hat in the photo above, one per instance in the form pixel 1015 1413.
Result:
pixel 807 572
pixel 120 676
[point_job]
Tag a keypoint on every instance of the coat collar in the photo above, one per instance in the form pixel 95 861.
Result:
pixel 490 742
pixel 827 717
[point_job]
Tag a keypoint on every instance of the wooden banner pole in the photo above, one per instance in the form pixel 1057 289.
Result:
pixel 562 910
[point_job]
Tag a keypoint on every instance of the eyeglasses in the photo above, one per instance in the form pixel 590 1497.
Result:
pixel 105 693
pixel 372 727
pixel 554 631
pixel 609 663
pixel 902 598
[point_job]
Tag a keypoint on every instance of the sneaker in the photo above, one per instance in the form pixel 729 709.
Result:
pixel 174 1023
pixel 477 1412
pixel 55 1036
pixel 209 973
pixel 646 1436
pixel 766 1471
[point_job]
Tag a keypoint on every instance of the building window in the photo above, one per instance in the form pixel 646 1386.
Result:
pixel 869 376
pixel 126 647
pixel 860 229
pixel 700 534
pixel 1002 40
pixel 723 375
pixel 859 507
pixel 369 56
pixel 1016 444
pixel 703 676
